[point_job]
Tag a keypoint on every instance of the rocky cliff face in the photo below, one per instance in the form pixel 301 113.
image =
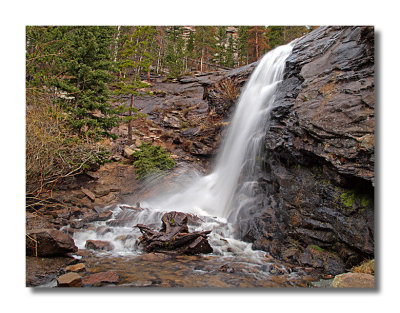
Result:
pixel 317 207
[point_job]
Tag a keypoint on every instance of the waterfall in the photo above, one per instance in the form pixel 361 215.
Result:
pixel 219 197
pixel 218 194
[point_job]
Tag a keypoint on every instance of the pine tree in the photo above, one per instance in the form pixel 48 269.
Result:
pixel 189 50
pixel 87 65
pixel 205 45
pixel 275 36
pixel 229 55
pixel 46 48
pixel 257 42
pixel 175 52
pixel 135 59
pixel 281 35
pixel 242 45
pixel 221 41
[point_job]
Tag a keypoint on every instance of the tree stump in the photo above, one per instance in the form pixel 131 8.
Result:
pixel 174 236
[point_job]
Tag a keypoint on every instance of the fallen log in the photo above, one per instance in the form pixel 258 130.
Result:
pixel 174 236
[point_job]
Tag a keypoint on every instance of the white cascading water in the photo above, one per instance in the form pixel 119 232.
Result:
pixel 213 194
pixel 221 195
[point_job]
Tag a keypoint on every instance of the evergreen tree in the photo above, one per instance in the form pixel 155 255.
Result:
pixel 45 50
pixel 205 45
pixel 135 59
pixel 281 35
pixel 242 45
pixel 189 50
pixel 175 52
pixel 257 42
pixel 229 55
pixel 275 36
pixel 221 41
pixel 87 70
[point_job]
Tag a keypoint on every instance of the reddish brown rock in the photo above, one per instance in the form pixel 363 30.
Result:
pixel 106 215
pixel 100 278
pixel 354 280
pixel 89 194
pixel 49 242
pixel 80 267
pixel 69 280
pixel 99 245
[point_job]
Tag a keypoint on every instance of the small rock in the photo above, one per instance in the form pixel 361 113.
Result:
pixel 128 152
pixel 354 280
pixel 99 245
pixel 226 268
pixel 89 194
pixel 102 230
pixel 103 277
pixel 76 224
pixel 104 216
pixel 80 267
pixel 69 280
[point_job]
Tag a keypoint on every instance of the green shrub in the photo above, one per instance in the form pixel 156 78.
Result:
pixel 150 159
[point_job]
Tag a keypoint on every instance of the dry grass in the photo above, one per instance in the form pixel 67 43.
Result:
pixel 367 267
pixel 53 152
pixel 229 89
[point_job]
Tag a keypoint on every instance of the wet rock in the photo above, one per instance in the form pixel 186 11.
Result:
pixel 76 225
pixel 69 280
pixel 79 267
pixel 354 280
pixel 49 242
pixel 319 258
pixel 104 216
pixel 99 245
pixel 318 183
pixel 102 230
pixel 98 279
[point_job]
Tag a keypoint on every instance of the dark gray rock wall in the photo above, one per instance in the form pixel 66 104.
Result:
pixel 318 203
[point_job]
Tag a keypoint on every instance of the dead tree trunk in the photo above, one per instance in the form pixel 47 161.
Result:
pixel 174 236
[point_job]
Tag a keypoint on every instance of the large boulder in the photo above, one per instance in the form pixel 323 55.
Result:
pixel 354 280
pixel 48 242
pixel 318 184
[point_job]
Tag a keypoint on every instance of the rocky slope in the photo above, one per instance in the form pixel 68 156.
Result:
pixel 318 203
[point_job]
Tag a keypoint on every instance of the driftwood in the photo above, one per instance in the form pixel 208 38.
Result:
pixel 174 236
